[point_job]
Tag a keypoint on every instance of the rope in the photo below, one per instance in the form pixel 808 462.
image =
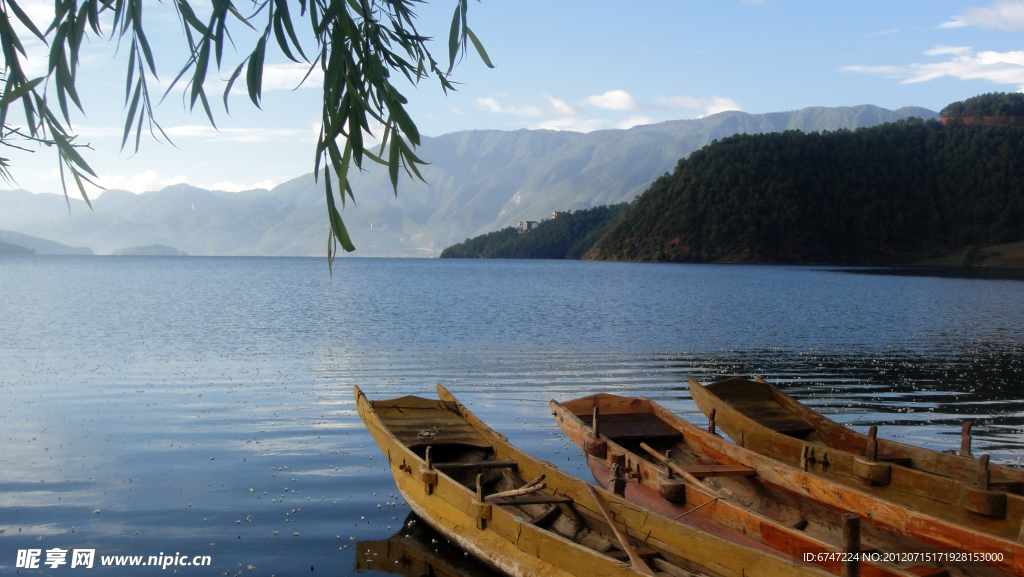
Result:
pixel 697 507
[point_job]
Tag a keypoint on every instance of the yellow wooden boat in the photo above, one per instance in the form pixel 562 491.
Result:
pixel 524 517
pixel 654 458
pixel 961 489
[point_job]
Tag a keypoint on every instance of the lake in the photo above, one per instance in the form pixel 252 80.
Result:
pixel 159 406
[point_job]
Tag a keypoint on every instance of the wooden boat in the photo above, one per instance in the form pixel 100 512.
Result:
pixel 957 488
pixel 524 517
pixel 658 460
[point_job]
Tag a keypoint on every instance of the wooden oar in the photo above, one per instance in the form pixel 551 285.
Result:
pixel 677 469
pixel 635 559
pixel 519 492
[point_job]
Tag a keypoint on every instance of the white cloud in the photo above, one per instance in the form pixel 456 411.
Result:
pixel 228 186
pixel 561 107
pixel 1002 14
pixel 943 49
pixel 634 121
pixel 884 32
pixel 995 67
pixel 613 100
pixel 559 114
pixel 496 107
pixel 139 183
pixel 706 106
pixel 211 134
pixel 151 180
pixel 286 77
pixel 574 124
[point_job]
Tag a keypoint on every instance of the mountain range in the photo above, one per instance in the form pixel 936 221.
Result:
pixel 478 181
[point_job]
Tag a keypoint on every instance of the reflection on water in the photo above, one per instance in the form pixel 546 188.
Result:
pixel 416 550
pixel 964 272
pixel 204 406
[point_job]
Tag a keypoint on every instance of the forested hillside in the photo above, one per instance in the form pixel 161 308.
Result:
pixel 888 194
pixel 566 237
pixel 991 104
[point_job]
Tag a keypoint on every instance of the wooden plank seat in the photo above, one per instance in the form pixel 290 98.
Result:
pixel 901 461
pixel 771 414
pixel 529 500
pixel 632 426
pixel 475 465
pixel 701 471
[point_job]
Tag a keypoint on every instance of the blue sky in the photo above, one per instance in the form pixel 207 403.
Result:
pixel 566 65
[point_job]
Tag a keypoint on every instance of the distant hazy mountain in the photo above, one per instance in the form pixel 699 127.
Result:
pixel 149 250
pixel 15 249
pixel 39 245
pixel 479 181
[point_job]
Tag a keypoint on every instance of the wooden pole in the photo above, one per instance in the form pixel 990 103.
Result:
pixel 965 439
pixel 635 559
pixel 593 423
pixel 711 421
pixel 984 473
pixel 872 453
pixel 851 545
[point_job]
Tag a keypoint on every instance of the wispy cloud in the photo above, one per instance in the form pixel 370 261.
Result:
pixel 288 77
pixel 494 106
pixel 228 186
pixel 965 64
pixel 138 183
pixel 598 111
pixel 573 124
pixel 561 107
pixel 954 50
pixel 1002 14
pixel 634 121
pixel 885 32
pixel 211 134
pixel 706 106
pixel 613 100
pixel 151 180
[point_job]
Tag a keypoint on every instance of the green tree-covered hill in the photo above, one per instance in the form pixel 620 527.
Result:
pixel 888 194
pixel 991 104
pixel 568 236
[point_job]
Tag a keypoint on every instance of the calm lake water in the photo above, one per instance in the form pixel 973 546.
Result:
pixel 203 406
